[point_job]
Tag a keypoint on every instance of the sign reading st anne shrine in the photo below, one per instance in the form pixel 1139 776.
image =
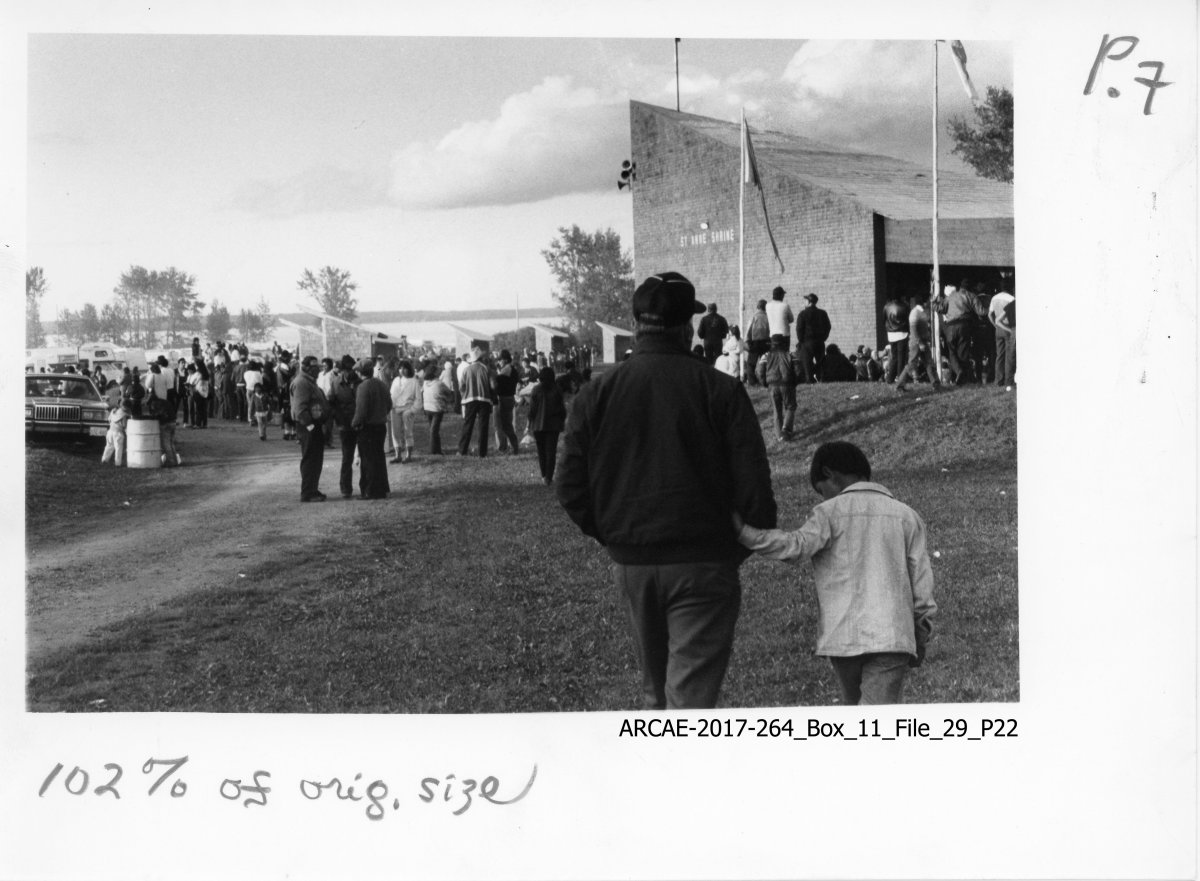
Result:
pixel 707 237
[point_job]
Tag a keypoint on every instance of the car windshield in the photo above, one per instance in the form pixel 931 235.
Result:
pixel 75 388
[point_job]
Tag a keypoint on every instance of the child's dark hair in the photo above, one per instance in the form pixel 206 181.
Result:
pixel 840 456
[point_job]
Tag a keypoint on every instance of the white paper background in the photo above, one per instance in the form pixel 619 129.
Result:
pixel 1100 782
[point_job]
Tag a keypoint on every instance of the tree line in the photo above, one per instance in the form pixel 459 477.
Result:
pixel 153 307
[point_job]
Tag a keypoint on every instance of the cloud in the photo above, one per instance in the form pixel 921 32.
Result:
pixel 317 189
pixel 552 140
pixel 866 95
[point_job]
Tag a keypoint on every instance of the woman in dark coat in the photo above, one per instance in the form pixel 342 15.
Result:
pixel 547 416
pixel 372 402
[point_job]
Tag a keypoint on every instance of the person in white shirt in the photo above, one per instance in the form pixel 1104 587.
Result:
pixel 405 392
pixel 325 384
pixel 1002 313
pixel 252 377
pixel 779 314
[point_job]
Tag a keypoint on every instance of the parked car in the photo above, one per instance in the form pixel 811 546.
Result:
pixel 64 404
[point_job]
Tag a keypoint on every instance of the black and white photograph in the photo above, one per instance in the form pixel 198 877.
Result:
pixel 489 425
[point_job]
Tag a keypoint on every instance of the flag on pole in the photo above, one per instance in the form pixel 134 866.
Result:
pixel 750 175
pixel 960 64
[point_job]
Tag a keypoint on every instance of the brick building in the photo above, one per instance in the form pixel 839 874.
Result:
pixel 853 228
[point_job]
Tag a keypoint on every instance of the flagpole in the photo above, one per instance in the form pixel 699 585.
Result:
pixel 677 74
pixel 937 347
pixel 742 249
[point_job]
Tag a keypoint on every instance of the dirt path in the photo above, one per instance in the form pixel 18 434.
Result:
pixel 75 587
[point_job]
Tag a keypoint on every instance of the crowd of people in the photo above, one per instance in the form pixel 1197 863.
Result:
pixel 977 336
pixel 373 406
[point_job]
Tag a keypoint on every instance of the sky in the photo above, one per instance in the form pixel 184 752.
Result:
pixel 434 169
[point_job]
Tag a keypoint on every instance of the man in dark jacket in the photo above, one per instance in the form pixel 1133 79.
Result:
pixel 812 330
pixel 961 312
pixel 658 453
pixel 712 332
pixel 241 398
pixel 895 325
pixel 309 410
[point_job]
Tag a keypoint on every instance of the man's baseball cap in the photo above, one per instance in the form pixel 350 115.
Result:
pixel 667 299
pixel 812 298
pixel 778 292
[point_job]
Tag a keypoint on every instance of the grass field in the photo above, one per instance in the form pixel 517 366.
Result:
pixel 472 591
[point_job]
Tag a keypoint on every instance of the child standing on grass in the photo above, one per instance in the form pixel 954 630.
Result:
pixel 114 440
pixel 873 578
pixel 260 409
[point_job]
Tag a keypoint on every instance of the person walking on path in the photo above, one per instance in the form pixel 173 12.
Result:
pixel 309 409
pixel 777 373
pixel 920 357
pixel 658 452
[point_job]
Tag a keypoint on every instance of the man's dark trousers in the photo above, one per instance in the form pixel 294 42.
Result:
pixel 349 445
pixel 683 617
pixel 958 349
pixel 812 356
pixel 897 358
pixel 472 410
pixel 312 458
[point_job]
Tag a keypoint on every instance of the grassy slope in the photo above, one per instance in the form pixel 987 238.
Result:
pixel 476 594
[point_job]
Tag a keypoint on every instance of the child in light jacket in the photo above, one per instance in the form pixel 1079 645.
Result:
pixel 873 578
pixel 114 440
